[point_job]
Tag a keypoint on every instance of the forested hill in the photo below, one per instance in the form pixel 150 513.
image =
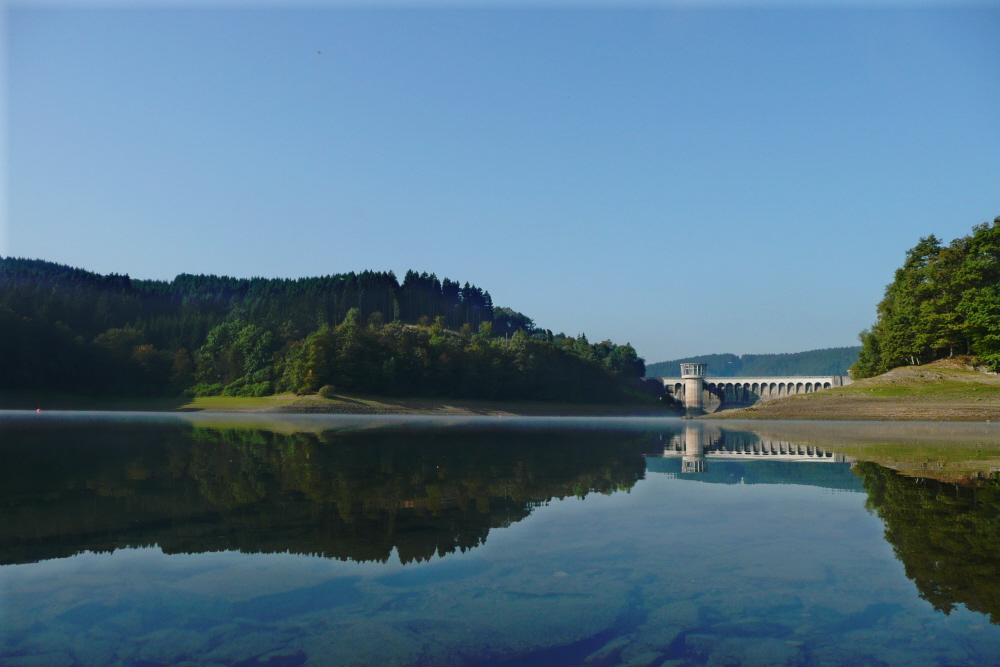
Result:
pixel 944 300
pixel 829 361
pixel 70 330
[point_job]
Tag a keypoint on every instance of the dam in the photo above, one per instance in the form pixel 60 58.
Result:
pixel 698 391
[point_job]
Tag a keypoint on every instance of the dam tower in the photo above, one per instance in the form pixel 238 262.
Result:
pixel 694 383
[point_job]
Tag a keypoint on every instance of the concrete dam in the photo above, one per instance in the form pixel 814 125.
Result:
pixel 697 391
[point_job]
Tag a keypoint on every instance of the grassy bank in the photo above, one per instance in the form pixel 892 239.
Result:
pixel 947 390
pixel 339 404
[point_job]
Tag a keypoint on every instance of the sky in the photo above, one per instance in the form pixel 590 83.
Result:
pixel 690 179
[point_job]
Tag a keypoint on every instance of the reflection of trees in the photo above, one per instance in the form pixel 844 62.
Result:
pixel 342 495
pixel 946 535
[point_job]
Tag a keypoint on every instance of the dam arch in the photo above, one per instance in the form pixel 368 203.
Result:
pixel 698 391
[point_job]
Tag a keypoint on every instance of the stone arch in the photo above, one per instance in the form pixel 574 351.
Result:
pixel 799 388
pixel 716 389
pixel 826 385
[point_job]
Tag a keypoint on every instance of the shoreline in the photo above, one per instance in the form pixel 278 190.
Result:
pixel 341 404
pixel 872 410
pixel 946 390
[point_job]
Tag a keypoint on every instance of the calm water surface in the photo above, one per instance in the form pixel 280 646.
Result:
pixel 315 540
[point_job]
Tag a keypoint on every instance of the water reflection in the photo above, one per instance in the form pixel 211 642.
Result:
pixel 697 441
pixel 350 494
pixel 938 494
pixel 708 453
pixel 947 535
pixel 376 542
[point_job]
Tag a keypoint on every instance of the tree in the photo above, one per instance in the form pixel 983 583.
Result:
pixel 942 301
pixel 236 360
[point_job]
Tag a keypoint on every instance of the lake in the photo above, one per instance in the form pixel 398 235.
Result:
pixel 286 540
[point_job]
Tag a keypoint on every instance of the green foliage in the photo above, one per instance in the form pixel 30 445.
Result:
pixel 203 389
pixel 238 356
pixel 831 361
pixel 944 300
pixel 411 360
pixel 71 330
pixel 946 535
pixel 869 358
pixel 507 320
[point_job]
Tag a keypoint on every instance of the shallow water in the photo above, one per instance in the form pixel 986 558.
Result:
pixel 322 540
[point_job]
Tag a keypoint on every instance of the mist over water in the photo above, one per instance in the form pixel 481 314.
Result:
pixel 204 539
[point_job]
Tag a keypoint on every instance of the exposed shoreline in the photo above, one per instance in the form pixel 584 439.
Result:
pixel 948 390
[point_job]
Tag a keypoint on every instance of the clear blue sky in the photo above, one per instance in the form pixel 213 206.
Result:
pixel 691 181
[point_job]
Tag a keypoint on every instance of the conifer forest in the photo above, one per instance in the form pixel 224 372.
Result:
pixel 69 330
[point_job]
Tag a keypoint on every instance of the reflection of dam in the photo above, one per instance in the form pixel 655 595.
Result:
pixel 696 443
pixel 710 454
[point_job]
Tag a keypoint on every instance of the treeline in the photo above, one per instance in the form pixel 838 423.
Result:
pixel 943 301
pixel 71 330
pixel 828 361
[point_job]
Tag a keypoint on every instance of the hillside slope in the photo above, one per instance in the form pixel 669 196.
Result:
pixel 946 390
